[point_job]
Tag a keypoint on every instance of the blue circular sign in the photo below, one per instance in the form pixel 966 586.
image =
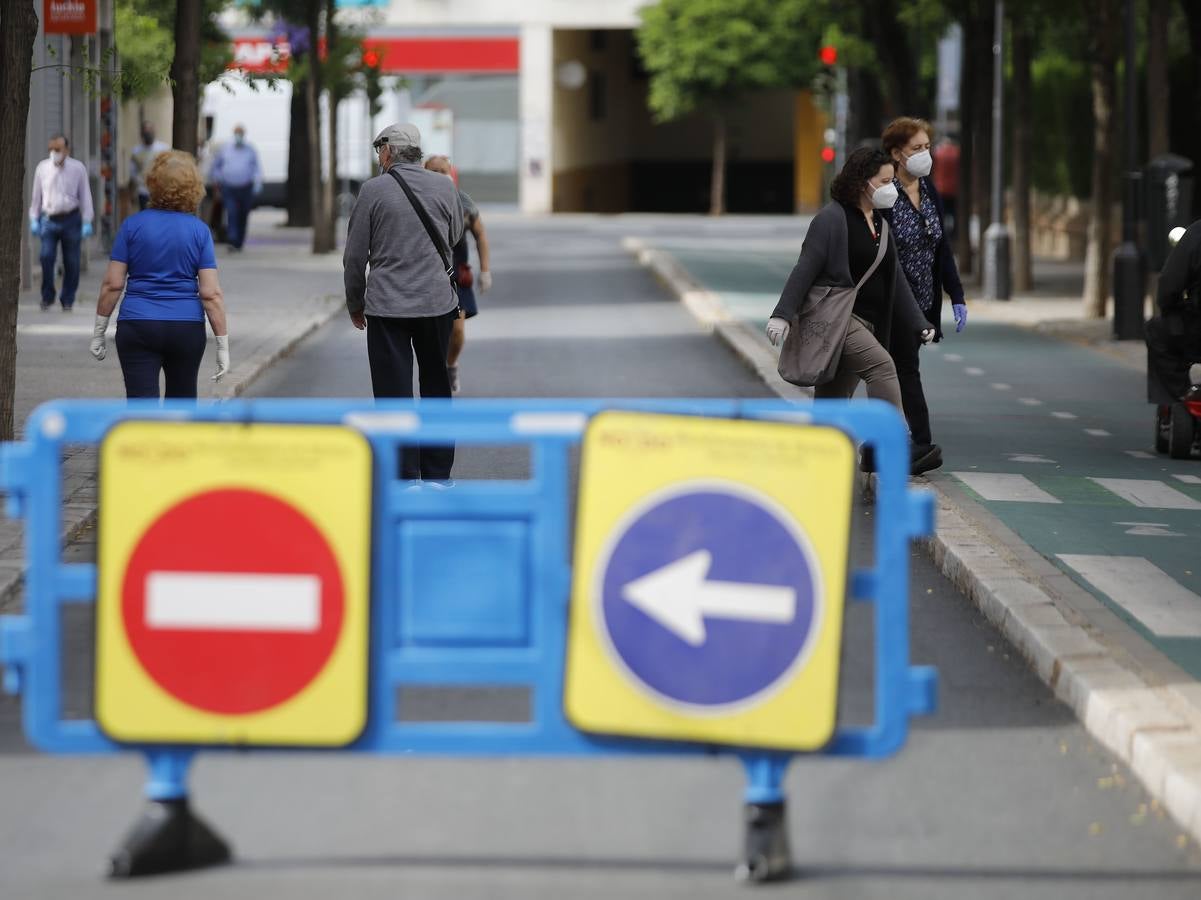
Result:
pixel 709 595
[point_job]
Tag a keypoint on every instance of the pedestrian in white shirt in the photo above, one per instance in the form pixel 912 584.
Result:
pixel 60 212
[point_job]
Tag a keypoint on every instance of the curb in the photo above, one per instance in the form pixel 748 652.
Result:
pixel 1131 699
pixel 12 575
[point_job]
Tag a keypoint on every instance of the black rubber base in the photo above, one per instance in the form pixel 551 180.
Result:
pixel 765 855
pixel 167 838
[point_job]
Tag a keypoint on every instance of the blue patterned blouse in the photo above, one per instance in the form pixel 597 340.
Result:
pixel 917 233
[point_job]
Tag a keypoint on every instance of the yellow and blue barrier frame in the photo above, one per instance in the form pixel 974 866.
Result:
pixel 533 652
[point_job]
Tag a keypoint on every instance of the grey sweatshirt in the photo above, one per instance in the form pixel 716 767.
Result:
pixel 406 277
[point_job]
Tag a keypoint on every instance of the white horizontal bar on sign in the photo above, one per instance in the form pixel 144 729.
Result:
pixel 1148 494
pixel 568 423
pixel 382 421
pixel 217 601
pixel 1004 487
pixel 1162 604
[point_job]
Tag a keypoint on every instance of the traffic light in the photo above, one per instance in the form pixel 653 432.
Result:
pixel 827 154
pixel 828 55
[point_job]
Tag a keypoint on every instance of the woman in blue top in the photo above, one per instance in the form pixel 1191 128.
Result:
pixel 925 255
pixel 163 260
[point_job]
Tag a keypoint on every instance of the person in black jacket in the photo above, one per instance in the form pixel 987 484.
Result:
pixel 924 250
pixel 1174 334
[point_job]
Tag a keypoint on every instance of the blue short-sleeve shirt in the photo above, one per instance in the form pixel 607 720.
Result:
pixel 163 251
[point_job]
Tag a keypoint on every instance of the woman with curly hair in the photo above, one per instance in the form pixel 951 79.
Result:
pixel 163 260
pixel 840 248
pixel 918 228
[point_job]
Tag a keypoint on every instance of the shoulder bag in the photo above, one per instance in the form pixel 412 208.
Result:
pixel 813 347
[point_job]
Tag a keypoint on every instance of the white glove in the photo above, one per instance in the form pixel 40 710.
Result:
pixel 222 356
pixel 98 346
pixel 927 335
pixel 485 281
pixel 777 330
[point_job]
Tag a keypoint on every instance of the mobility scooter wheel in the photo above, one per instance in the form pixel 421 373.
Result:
pixel 1182 430
pixel 1163 427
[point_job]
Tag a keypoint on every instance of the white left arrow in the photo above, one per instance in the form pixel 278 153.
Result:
pixel 678 597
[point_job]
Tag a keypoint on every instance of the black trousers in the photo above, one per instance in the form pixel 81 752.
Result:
pixel 146 347
pixel 904 350
pixel 391 346
pixel 1173 345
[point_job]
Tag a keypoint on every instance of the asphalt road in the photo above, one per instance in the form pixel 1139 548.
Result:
pixel 1001 794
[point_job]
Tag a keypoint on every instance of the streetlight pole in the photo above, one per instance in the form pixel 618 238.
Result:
pixel 1129 275
pixel 996 236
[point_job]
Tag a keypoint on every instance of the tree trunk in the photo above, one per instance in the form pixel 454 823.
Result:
pixel 300 213
pixel 312 95
pixel 1158 91
pixel 898 62
pixel 717 183
pixel 967 147
pixel 1019 117
pixel 185 77
pixel 332 98
pixel 982 84
pixel 18 34
pixel 1104 40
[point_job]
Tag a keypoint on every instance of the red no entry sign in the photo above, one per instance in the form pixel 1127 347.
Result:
pixel 232 601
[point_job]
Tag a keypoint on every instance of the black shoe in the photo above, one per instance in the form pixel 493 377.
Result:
pixel 45 306
pixel 924 457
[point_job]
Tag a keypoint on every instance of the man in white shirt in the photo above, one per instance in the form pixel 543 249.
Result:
pixel 60 212
pixel 140 161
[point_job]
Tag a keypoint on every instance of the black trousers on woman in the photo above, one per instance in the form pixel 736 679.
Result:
pixel 905 349
pixel 147 347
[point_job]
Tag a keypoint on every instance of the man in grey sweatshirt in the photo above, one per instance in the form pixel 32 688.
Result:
pixel 397 286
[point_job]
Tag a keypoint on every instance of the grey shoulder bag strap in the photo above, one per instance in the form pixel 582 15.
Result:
pixel 435 236
pixel 879 255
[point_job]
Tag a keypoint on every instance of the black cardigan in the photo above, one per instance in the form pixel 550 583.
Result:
pixel 946 273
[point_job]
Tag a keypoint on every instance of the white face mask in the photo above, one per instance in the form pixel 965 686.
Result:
pixel 884 196
pixel 56 157
pixel 920 164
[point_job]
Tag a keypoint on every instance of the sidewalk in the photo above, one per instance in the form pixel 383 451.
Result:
pixel 1029 557
pixel 276 292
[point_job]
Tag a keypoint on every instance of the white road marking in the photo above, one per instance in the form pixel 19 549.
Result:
pixel 998 386
pixel 953 357
pixel 1150 529
pixel 1148 593
pixel 1097 432
pixel 1148 494
pixel 1008 488
pixel 1188 479
pixel 1030 458
pixel 1030 401
pixel 972 370
pixel 1064 415
pixel 211 601
pixel 1139 454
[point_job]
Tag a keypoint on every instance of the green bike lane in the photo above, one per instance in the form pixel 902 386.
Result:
pixel 1054 438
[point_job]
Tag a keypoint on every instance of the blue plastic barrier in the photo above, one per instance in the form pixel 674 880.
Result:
pixel 527 521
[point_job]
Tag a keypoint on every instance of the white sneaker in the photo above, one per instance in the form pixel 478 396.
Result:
pixel 453 372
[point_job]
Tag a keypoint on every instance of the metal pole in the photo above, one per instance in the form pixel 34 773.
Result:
pixel 996 237
pixel 1129 273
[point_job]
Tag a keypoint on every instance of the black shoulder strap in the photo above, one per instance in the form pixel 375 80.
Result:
pixel 438 241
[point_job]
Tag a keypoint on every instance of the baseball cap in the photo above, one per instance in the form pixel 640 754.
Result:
pixel 401 134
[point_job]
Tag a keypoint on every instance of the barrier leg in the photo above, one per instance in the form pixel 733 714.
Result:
pixel 766 856
pixel 167 837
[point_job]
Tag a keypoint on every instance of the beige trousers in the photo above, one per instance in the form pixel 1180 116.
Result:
pixel 863 358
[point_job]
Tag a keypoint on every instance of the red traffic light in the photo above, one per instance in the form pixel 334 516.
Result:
pixel 829 55
pixel 828 154
pixel 371 59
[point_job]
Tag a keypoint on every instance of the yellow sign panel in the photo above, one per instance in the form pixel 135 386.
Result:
pixel 709 581
pixel 233 603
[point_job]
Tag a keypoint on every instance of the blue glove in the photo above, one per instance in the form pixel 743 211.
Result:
pixel 35 226
pixel 960 311
pixel 87 229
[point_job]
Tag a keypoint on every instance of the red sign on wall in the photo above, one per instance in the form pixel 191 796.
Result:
pixel 69 17
pixel 403 55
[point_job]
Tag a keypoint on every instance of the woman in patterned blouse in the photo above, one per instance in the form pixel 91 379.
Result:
pixel 917 222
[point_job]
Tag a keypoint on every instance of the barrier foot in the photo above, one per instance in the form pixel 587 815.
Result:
pixel 766 856
pixel 168 838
